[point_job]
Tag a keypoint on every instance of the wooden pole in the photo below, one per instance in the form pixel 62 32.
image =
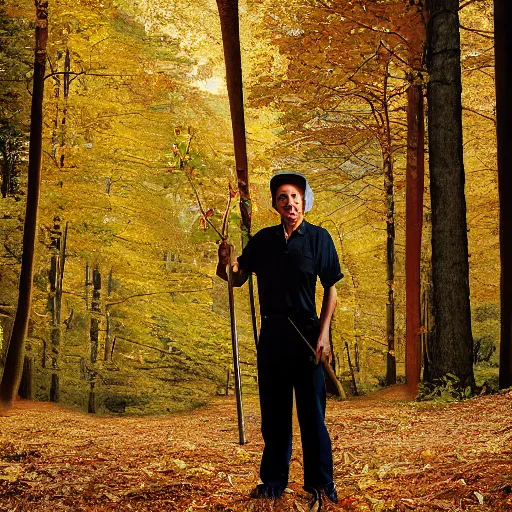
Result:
pixel 236 357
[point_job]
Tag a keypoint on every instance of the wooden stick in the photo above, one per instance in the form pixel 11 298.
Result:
pixel 326 364
pixel 236 357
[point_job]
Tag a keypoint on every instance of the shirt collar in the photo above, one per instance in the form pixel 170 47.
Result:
pixel 301 230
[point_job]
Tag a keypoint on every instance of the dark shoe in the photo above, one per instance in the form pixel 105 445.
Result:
pixel 315 502
pixel 329 491
pixel 267 491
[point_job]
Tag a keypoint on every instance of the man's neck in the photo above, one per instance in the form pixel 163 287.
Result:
pixel 289 228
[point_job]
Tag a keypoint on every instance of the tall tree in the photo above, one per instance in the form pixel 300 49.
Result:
pixel 503 63
pixel 415 179
pixel 15 354
pixel 451 349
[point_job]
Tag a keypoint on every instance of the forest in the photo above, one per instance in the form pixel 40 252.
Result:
pixel 119 179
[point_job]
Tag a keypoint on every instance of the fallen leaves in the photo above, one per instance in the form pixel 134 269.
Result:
pixel 389 455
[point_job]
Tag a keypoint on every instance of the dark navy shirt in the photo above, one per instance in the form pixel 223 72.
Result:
pixel 287 270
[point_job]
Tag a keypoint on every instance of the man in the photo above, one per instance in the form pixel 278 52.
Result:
pixel 287 259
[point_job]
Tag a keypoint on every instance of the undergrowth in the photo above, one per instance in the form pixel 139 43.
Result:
pixel 446 389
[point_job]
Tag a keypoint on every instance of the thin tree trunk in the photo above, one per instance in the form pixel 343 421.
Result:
pixel 451 348
pixel 94 331
pixel 56 94
pixel 356 312
pixel 60 276
pixel 67 67
pixel 87 283
pixel 107 355
pixel 15 354
pixel 59 240
pixel 413 227
pixel 354 385
pixel 503 53
pixel 390 242
pixel 95 314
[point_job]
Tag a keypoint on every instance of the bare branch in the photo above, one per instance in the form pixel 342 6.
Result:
pixel 493 119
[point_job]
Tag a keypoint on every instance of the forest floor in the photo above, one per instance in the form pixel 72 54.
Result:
pixel 389 454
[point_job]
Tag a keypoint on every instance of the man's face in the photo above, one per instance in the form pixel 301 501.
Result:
pixel 290 204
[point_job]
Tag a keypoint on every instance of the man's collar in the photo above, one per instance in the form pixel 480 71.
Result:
pixel 301 230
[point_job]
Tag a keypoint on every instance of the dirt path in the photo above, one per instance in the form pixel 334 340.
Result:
pixel 389 455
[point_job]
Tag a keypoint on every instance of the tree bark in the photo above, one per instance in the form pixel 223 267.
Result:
pixel 390 240
pixel 87 283
pixel 107 355
pixel 451 349
pixel 503 62
pixel 67 68
pixel 413 227
pixel 58 259
pixel 26 389
pixel 95 314
pixel 15 354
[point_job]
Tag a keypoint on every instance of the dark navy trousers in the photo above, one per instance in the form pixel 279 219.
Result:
pixel 285 365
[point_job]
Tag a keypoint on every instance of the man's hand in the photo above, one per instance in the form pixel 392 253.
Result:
pixel 323 348
pixel 224 253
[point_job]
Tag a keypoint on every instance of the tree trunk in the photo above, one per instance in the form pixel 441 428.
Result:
pixel 67 67
pixel 390 241
pixel 60 275
pixel 107 355
pixel 55 388
pixel 356 312
pixel 451 349
pixel 15 354
pixel 427 322
pixel 413 227
pixel 503 54
pixel 87 283
pixel 91 407
pixel 54 302
pixel 26 389
pixel 95 314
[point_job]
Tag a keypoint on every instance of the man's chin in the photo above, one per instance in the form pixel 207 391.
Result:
pixel 292 219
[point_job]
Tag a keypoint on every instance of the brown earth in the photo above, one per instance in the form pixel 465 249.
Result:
pixel 389 453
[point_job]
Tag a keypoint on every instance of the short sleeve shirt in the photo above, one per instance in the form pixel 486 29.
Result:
pixel 287 270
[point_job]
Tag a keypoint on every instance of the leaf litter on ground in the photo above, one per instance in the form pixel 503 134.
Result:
pixel 389 454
